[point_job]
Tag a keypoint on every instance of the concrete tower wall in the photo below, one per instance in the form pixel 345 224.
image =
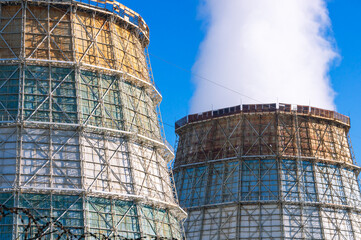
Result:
pixel 80 139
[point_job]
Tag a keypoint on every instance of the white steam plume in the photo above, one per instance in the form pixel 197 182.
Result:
pixel 269 50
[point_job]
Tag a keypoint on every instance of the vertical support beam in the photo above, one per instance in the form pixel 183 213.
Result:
pixel 19 127
pixel 279 160
pixel 260 225
pixel 113 219
pixel 173 186
pixel 220 224
pixel 350 148
pixel 51 217
pixel 208 172
pixel 107 159
pixel 259 137
pixel 333 139
pixel 112 31
pixel 24 6
pixel 48 30
pixel 128 142
pixel 181 176
pixel 93 40
pixel 72 14
pixel 156 221
pixel 348 211
pixel 239 182
pixel 80 129
pixel 16 233
pixel 50 129
pixel 172 228
pixel 203 212
pixel 320 209
pixel 1 12
pixel 159 169
pixel 299 169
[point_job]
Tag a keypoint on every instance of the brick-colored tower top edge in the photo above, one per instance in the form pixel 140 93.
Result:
pixel 264 108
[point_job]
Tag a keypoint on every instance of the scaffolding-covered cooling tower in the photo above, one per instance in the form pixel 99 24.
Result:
pixel 82 153
pixel 268 172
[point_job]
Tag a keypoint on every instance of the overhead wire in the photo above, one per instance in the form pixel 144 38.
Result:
pixel 207 79
pixel 203 78
pixel 200 77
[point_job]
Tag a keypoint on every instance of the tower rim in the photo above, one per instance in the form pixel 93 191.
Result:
pixel 300 110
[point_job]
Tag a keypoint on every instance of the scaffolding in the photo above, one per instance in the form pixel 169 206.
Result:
pixel 80 136
pixel 267 171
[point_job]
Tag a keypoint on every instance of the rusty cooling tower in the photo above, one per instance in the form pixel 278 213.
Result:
pixel 267 172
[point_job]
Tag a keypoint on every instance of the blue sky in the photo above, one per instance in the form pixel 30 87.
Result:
pixel 176 31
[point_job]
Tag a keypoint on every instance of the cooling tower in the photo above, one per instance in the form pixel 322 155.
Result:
pixel 267 172
pixel 81 146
